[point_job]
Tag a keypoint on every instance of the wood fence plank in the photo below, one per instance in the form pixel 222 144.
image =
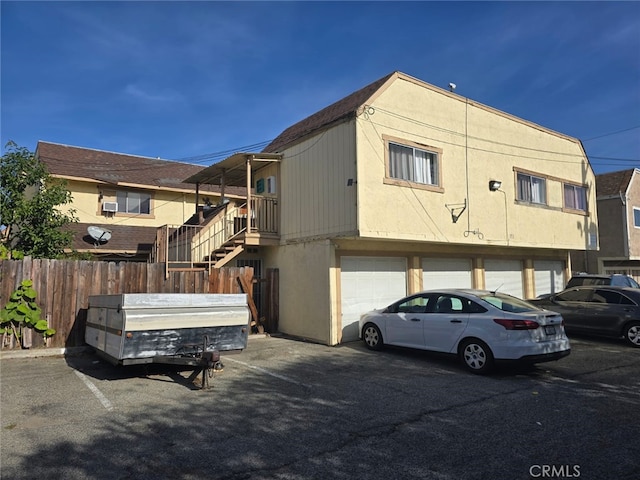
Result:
pixel 246 287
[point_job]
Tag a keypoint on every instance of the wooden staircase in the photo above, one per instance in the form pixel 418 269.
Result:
pixel 229 250
pixel 213 238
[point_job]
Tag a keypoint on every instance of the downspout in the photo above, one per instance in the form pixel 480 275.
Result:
pixel 625 224
pixel 466 157
pixel 222 185
pixel 248 194
pixel 197 196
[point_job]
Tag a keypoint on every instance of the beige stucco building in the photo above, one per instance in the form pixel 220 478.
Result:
pixel 393 190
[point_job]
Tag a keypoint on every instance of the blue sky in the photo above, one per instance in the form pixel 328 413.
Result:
pixel 195 81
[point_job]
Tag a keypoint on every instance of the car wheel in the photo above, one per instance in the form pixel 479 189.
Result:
pixel 476 356
pixel 372 337
pixel 632 334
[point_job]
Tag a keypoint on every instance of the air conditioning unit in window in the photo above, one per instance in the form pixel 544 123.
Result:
pixel 110 207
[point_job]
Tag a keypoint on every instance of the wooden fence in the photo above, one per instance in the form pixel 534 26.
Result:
pixel 64 286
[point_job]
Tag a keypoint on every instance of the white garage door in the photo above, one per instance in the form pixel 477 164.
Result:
pixel 504 276
pixel 549 276
pixel 446 273
pixel 368 283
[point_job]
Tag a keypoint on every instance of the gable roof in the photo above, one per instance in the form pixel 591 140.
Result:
pixel 338 111
pixel 347 108
pixel 119 168
pixel 613 183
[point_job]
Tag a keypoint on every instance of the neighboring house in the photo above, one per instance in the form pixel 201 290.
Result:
pixel 618 201
pixel 128 196
pixel 403 186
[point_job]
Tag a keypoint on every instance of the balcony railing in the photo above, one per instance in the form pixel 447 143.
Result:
pixel 193 246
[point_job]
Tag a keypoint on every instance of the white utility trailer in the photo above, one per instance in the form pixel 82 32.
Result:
pixel 175 328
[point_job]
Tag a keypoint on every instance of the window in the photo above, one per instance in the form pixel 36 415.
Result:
pixel 507 303
pixel 636 217
pixel 611 297
pixel 413 305
pixel 134 202
pixel 532 189
pixel 576 295
pixel 271 184
pixel 413 164
pixel 575 197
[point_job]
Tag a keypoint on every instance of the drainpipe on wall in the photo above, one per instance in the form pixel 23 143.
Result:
pixel 249 213
pixel 625 224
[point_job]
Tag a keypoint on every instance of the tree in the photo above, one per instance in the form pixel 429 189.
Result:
pixel 29 201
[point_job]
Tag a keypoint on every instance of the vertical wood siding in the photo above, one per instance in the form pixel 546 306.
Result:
pixel 316 201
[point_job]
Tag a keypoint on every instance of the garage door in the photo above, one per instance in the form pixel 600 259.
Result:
pixel 368 283
pixel 446 273
pixel 549 276
pixel 504 276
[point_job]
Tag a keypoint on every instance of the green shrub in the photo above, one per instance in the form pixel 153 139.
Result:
pixel 22 311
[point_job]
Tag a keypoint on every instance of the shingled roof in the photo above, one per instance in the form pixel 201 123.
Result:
pixel 338 111
pixel 114 168
pixel 124 238
pixel 613 183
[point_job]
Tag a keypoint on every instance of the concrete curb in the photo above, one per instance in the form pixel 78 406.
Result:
pixel 43 352
pixel 69 352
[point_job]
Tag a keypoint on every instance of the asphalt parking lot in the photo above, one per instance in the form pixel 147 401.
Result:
pixel 286 409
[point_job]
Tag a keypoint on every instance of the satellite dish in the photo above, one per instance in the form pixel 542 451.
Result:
pixel 99 234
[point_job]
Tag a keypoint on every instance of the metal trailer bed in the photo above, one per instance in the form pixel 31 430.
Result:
pixel 170 328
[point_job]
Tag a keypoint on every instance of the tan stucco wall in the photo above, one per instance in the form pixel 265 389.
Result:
pixel 270 169
pixel 167 207
pixel 409 111
pixel 633 200
pixel 305 285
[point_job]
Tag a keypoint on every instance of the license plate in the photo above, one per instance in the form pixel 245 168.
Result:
pixel 550 329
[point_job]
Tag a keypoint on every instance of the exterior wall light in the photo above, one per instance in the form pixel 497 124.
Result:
pixel 494 185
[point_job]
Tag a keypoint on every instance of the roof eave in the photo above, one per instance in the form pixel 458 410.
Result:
pixel 235 163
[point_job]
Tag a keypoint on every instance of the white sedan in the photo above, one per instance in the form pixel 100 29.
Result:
pixel 480 327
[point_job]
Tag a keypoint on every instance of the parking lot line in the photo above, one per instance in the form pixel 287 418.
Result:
pixel 99 395
pixel 276 375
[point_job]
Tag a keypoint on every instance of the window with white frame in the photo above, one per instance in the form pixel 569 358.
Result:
pixel 636 217
pixel 575 197
pixel 133 202
pixel 413 164
pixel 532 189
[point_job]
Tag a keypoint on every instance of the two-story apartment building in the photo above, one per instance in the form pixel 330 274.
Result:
pixel 404 186
pixel 127 196
pixel 618 204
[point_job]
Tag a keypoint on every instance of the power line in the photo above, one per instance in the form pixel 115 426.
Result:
pixel 223 153
pixel 571 156
pixel 612 133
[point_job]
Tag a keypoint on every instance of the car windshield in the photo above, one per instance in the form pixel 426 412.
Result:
pixel 507 303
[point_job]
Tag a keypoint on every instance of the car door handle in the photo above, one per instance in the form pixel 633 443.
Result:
pixel 455 320
pixel 415 319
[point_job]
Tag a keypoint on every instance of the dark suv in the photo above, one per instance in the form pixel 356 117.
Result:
pixel 616 280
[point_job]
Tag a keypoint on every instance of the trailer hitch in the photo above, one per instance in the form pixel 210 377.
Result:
pixel 209 362
pixel 196 355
